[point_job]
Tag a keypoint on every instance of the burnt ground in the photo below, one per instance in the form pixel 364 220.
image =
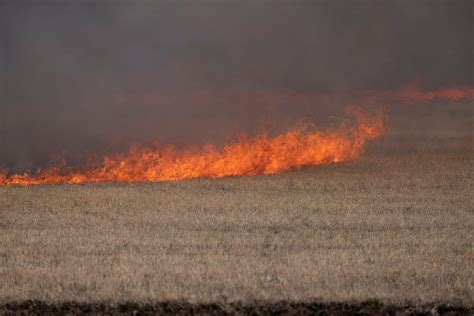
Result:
pixel 255 308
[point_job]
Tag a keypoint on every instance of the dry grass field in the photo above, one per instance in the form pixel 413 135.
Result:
pixel 392 227
pixel 395 229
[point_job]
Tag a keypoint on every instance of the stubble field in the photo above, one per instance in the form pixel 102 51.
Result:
pixel 395 227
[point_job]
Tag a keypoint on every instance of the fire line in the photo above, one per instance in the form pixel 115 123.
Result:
pixel 262 155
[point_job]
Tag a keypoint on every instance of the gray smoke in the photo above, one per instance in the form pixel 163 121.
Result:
pixel 95 76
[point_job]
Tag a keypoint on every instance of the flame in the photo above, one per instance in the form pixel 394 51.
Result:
pixel 296 148
pixel 412 93
pixel 408 93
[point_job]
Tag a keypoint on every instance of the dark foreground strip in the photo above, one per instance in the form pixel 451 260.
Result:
pixel 257 308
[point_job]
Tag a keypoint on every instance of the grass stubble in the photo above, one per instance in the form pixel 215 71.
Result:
pixel 391 229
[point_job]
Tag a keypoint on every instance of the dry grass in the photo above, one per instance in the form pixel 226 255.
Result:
pixel 395 228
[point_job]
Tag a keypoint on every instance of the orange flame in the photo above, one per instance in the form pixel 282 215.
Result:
pixel 412 93
pixel 296 148
pixel 269 100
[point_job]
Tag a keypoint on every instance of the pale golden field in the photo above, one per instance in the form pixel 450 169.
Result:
pixel 392 227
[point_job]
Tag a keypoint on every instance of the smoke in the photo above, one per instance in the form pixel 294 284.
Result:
pixel 96 76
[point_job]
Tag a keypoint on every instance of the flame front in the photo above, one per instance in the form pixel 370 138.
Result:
pixel 298 147
pixel 412 93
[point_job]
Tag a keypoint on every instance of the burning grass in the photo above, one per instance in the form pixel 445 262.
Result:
pixel 299 147
pixel 392 228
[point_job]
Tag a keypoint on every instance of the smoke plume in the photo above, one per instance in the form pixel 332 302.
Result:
pixel 96 76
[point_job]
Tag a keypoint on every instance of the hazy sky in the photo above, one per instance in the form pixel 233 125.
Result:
pixel 79 75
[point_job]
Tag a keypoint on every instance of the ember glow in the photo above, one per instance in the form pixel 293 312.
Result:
pixel 296 148
pixel 412 93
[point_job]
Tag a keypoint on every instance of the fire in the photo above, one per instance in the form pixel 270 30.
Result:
pixel 408 93
pixel 261 155
pixel 412 93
